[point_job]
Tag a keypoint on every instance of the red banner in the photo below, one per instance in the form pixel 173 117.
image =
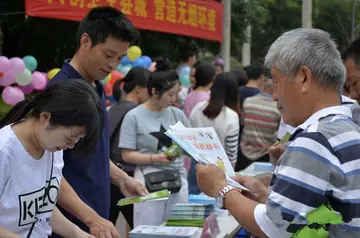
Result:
pixel 195 18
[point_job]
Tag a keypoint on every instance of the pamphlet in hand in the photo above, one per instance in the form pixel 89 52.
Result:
pixel 203 145
pixel 156 196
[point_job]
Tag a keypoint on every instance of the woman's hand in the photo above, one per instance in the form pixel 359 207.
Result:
pixel 162 159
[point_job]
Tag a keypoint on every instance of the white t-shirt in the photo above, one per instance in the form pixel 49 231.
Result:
pixel 226 125
pixel 22 187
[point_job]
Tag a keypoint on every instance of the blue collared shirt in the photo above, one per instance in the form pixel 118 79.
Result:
pixel 89 176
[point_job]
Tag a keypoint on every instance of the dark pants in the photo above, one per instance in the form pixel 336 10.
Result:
pixel 243 162
pixel 127 211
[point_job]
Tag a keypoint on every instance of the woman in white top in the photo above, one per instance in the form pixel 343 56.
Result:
pixel 33 135
pixel 221 112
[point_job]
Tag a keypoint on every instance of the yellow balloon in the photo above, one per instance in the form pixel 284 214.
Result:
pixel 51 74
pixel 134 52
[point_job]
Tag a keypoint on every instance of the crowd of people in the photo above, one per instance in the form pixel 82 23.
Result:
pixel 66 159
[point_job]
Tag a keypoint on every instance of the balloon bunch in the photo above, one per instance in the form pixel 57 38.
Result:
pixel 134 58
pixel 19 77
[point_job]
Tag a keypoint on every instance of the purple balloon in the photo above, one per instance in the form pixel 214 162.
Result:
pixel 27 89
pixel 12 95
pixel 7 79
pixel 38 80
pixel 4 64
pixel 17 65
pixel 219 61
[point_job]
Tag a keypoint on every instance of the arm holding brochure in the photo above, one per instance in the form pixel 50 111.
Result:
pixel 134 157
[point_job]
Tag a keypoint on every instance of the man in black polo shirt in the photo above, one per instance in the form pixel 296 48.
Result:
pixel 103 38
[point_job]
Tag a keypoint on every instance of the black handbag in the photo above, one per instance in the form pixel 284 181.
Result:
pixel 165 179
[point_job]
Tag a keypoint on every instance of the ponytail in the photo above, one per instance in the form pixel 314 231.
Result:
pixel 18 112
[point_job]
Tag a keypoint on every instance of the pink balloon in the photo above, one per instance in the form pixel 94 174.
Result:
pixel 38 80
pixel 4 64
pixel 45 75
pixel 17 65
pixel 27 89
pixel 7 79
pixel 12 95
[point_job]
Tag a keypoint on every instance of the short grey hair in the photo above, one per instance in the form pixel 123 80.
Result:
pixel 308 47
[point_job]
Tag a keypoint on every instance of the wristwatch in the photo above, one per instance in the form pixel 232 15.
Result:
pixel 220 199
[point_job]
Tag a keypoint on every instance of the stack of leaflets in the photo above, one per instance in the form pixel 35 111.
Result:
pixel 162 231
pixel 203 145
pixel 189 215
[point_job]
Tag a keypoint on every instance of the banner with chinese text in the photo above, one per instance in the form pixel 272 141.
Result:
pixel 194 18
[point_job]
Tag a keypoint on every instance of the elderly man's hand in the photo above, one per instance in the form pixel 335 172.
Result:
pixel 210 179
pixel 275 152
pixel 258 191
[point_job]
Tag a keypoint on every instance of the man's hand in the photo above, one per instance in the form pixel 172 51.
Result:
pixel 101 228
pixel 210 179
pixel 275 152
pixel 132 187
pixel 258 191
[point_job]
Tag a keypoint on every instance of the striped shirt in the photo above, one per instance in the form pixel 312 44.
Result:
pixel 321 164
pixel 261 122
pixel 226 125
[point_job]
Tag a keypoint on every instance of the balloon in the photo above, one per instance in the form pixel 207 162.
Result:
pixel 30 62
pixel 51 74
pixel 27 89
pixel 7 79
pixel 108 89
pixel 125 69
pixel 12 95
pixel 185 71
pixel 45 75
pixel 219 61
pixel 116 75
pixel 152 67
pixel 24 78
pixel 134 52
pixel 112 99
pixel 105 80
pixel 38 80
pixel 185 80
pixel 4 64
pixel 17 65
pixel 147 61
pixel 138 62
pixel 125 60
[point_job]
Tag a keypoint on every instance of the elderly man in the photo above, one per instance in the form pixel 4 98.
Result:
pixel 320 165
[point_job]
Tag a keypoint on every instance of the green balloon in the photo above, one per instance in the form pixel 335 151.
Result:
pixel 24 78
pixel 185 80
pixel 30 62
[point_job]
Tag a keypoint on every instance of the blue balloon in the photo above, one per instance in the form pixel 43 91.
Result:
pixel 125 61
pixel 138 62
pixel 185 71
pixel 147 61
pixel 112 99
pixel 125 69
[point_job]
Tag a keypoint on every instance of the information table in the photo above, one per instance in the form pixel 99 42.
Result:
pixel 229 227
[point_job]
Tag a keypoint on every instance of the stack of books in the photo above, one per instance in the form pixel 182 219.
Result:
pixel 161 231
pixel 189 215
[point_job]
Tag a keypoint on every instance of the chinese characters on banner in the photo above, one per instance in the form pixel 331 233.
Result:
pixel 194 18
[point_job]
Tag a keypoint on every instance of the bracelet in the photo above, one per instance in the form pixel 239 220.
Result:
pixel 151 160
